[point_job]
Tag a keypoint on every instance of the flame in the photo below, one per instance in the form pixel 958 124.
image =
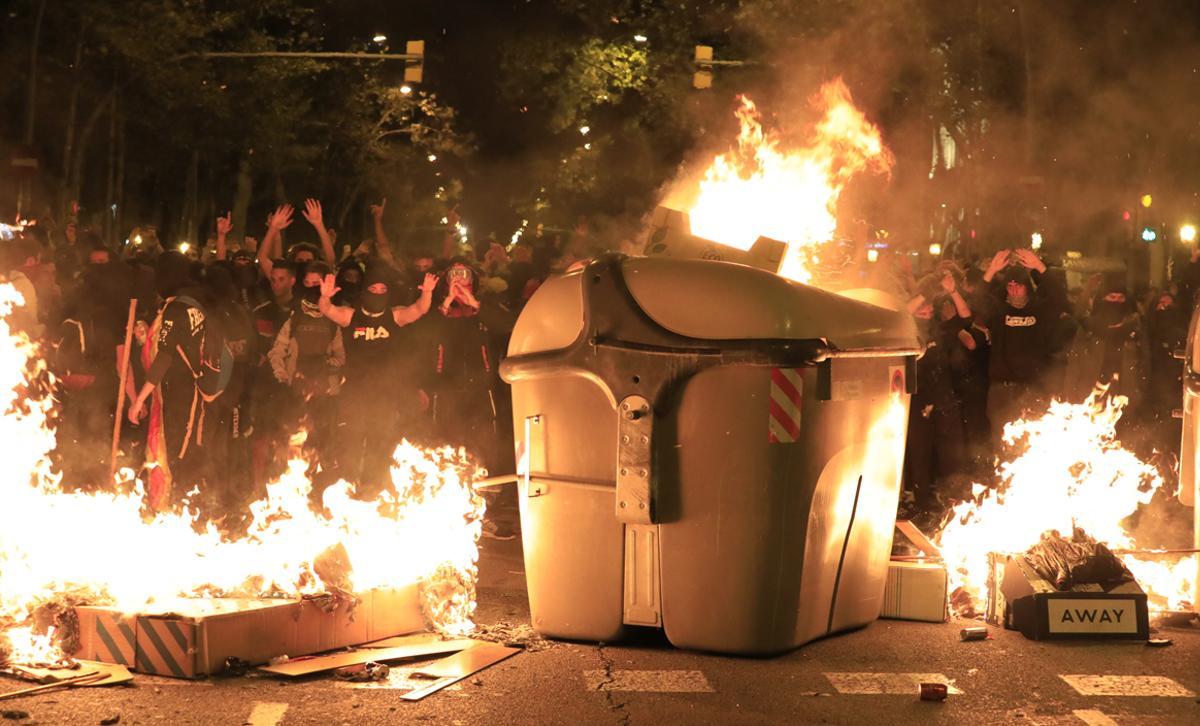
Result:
pixel 1071 472
pixel 791 195
pixel 98 547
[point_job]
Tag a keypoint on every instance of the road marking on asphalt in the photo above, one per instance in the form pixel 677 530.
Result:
pixel 1126 686
pixel 892 684
pixel 648 681
pixel 266 713
pixel 1093 717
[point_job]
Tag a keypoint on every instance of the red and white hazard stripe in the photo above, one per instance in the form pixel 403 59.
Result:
pixel 784 424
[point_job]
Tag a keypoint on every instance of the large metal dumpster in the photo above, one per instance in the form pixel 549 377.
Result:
pixel 706 448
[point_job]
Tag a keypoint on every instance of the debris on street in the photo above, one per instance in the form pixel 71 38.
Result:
pixel 513 635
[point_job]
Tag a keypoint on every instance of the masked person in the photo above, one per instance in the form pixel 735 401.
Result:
pixel 307 357
pixel 1110 349
pixel 267 410
pixel 227 428
pixel 934 457
pixel 463 403
pixel 182 375
pixel 377 398
pixel 244 275
pixel 1167 326
pixel 87 350
pixel 1020 335
pixel 349 281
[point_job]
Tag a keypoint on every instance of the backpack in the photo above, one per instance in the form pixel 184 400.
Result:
pixel 216 360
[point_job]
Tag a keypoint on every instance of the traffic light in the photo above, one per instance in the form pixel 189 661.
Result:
pixel 1149 234
pixel 414 66
pixel 703 77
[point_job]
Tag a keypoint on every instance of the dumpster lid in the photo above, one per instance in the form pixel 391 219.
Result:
pixel 719 301
pixel 726 301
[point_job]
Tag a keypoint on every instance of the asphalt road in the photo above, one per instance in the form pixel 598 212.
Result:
pixel 1004 680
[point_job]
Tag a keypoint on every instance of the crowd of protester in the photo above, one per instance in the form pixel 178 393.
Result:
pixel 237 347
pixel 1005 336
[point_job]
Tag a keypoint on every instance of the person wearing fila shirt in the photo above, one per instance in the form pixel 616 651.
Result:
pixel 375 400
pixel 1020 335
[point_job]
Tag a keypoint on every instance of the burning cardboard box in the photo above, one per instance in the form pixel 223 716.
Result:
pixel 194 638
pixel 1021 599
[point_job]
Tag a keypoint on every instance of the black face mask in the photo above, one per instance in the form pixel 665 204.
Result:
pixel 350 288
pixel 1108 313
pixel 311 294
pixel 244 276
pixel 374 303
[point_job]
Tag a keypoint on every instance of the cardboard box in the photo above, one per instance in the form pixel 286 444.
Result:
pixel 916 587
pixel 193 638
pixel 915 591
pixel 1031 604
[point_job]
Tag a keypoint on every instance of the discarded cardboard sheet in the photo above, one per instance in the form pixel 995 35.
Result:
pixel 918 538
pixel 414 639
pixel 112 674
pixel 79 679
pixel 449 671
pixel 316 664
pixel 476 658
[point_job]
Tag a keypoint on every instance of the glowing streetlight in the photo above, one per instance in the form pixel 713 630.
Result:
pixel 432 158
pixel 1035 240
pixel 872 255
pixel 583 130
pixel 935 249
pixel 380 38
pixel 1187 233
pixel 406 89
pixel 639 38
pixel 184 247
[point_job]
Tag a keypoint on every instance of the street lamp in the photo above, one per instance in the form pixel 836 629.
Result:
pixel 406 89
pixel 1187 233
pixel 380 38
pixel 1035 240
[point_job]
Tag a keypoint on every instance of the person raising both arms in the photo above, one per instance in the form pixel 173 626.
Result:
pixel 376 404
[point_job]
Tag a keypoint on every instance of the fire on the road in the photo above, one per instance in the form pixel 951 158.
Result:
pixel 98 547
pixel 1071 471
pixel 761 189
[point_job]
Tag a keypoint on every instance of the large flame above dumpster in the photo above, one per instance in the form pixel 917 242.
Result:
pixel 762 188
pixel 58 544
pixel 1071 471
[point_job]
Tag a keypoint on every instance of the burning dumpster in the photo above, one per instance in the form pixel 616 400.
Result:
pixel 709 449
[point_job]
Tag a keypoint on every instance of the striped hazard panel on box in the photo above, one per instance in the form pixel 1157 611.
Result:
pixel 115 641
pixel 783 426
pixel 166 647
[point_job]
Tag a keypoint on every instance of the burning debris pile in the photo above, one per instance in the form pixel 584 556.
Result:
pixel 762 188
pixel 1070 473
pixel 61 546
